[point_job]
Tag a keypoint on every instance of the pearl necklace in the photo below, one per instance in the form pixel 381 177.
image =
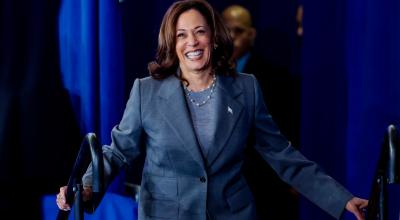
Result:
pixel 198 104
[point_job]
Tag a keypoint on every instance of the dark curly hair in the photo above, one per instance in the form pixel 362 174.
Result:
pixel 167 62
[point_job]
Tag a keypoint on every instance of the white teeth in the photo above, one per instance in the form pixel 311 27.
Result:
pixel 194 54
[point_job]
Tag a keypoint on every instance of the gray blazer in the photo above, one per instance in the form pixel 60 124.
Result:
pixel 178 182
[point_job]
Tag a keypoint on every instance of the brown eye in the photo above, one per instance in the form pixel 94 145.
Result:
pixel 180 35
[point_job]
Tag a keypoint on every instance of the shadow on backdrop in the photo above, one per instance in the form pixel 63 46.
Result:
pixel 38 131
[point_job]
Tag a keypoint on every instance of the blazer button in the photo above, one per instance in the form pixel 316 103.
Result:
pixel 202 179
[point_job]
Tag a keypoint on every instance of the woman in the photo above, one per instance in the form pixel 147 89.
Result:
pixel 195 115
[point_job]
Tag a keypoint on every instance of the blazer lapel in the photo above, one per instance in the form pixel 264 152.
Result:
pixel 229 111
pixel 174 109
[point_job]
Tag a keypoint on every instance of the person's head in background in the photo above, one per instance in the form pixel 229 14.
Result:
pixel 238 20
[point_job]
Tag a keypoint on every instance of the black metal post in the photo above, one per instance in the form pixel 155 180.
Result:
pixel 90 151
pixel 382 198
pixel 388 172
pixel 78 212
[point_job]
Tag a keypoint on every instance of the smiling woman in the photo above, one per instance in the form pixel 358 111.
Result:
pixel 195 116
pixel 204 35
pixel 193 48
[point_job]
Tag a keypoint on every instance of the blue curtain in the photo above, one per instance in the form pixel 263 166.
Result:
pixel 350 94
pixel 372 56
pixel 91 54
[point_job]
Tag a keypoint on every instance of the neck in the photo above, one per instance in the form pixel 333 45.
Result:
pixel 198 81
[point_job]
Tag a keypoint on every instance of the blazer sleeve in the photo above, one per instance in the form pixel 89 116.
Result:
pixel 125 139
pixel 302 174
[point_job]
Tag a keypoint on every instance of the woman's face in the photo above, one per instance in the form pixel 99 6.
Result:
pixel 193 42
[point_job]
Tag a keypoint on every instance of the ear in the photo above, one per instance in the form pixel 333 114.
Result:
pixel 252 34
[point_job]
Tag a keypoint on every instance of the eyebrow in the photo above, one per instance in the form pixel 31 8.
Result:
pixel 197 27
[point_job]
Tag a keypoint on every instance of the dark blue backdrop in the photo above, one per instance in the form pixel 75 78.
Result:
pixel 350 73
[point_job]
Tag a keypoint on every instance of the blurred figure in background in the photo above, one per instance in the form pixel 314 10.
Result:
pixel 239 22
pixel 282 101
pixel 299 20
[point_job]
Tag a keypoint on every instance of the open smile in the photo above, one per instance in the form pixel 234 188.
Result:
pixel 193 55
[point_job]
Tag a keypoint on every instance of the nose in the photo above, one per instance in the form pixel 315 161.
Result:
pixel 192 40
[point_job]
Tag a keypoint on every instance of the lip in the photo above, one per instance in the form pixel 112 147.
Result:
pixel 194 54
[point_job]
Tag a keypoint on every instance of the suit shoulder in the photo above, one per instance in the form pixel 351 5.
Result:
pixel 144 85
pixel 246 78
pixel 147 80
pixel 151 86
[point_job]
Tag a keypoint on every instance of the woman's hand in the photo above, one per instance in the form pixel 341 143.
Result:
pixel 61 197
pixel 356 206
